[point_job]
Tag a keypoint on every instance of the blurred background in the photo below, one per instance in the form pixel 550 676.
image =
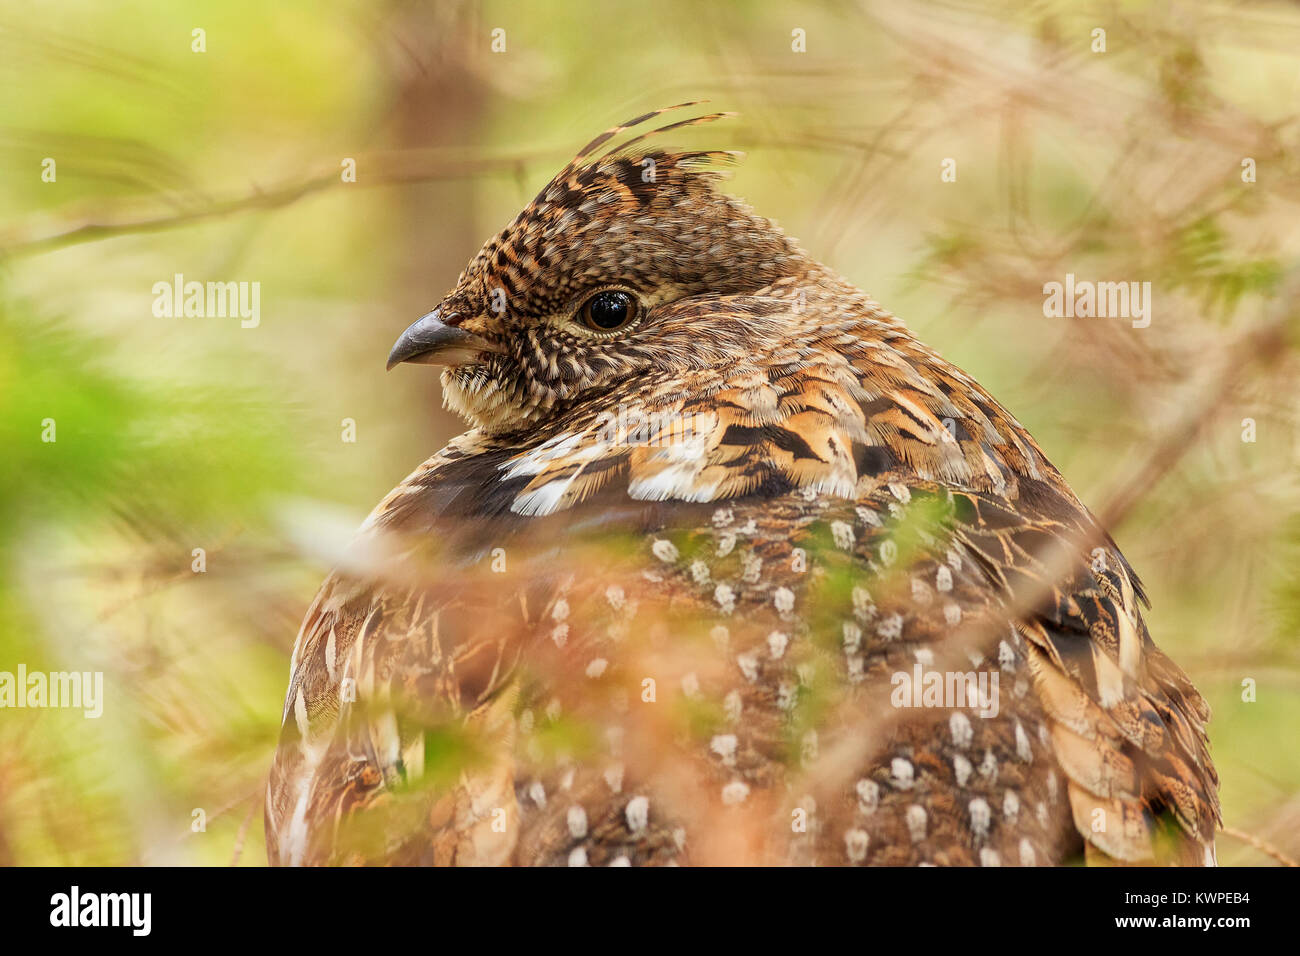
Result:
pixel 202 474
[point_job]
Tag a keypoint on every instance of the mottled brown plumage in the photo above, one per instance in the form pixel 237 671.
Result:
pixel 660 602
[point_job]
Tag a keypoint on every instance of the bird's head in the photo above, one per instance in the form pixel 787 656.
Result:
pixel 633 284
pixel 617 271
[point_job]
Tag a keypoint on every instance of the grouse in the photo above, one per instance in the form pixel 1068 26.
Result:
pixel 729 568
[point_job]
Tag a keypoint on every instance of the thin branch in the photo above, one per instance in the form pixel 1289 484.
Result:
pixel 243 827
pixel 1261 345
pixel 1262 846
pixel 391 169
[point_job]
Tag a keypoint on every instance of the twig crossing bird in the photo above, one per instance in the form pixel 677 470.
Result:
pixel 729 568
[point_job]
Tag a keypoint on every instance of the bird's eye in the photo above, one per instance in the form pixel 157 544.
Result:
pixel 608 311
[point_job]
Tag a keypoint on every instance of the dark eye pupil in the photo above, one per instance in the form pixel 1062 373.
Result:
pixel 609 310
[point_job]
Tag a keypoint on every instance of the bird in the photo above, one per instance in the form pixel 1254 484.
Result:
pixel 729 568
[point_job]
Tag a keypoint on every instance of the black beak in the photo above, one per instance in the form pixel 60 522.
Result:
pixel 431 341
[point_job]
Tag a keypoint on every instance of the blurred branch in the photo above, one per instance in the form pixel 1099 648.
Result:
pixel 1261 345
pixel 1262 846
pixel 388 169
pixel 253 803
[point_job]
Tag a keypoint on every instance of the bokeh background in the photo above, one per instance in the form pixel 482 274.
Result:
pixel 175 434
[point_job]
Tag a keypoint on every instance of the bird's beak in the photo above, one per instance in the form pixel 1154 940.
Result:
pixel 431 340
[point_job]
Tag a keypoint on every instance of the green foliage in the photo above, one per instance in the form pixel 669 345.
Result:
pixel 85 439
pixel 1203 260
